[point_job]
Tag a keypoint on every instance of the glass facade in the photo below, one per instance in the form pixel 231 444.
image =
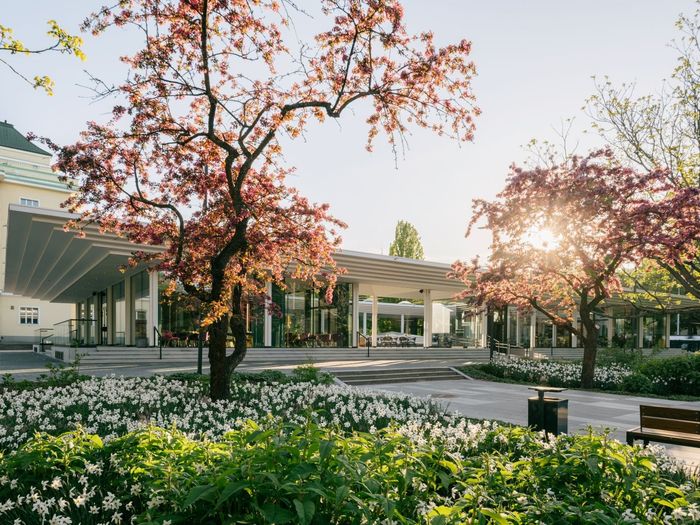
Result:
pixel 141 300
pixel 653 330
pixel 302 318
pixel 513 326
pixel 543 332
pixel 563 339
pixel 119 314
pixel 525 330
pixel 624 332
pixel 178 316
pixel 307 320
pixel 455 324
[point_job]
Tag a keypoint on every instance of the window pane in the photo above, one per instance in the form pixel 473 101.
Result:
pixel 29 202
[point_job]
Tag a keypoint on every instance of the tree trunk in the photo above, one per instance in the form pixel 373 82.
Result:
pixel 590 347
pixel 238 328
pixel 219 375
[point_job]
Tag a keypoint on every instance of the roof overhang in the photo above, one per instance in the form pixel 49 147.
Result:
pixel 388 276
pixel 45 262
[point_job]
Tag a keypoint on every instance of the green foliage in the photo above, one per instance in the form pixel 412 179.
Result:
pixel 631 357
pixel 311 374
pixel 673 375
pixel 57 375
pixel 406 242
pixel 306 474
pixel 60 41
pixel 301 374
pixel 638 383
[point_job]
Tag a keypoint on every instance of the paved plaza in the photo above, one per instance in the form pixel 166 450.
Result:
pixel 508 402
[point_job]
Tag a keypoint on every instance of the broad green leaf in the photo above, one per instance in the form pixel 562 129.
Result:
pixel 305 511
pixel 197 493
pixel 230 490
pixel 275 514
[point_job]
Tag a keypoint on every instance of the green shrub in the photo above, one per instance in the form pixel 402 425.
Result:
pixel 311 374
pixel 307 474
pixel 619 356
pixel 264 376
pixel 637 383
pixel 674 375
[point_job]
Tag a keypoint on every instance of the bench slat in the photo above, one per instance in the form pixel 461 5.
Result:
pixel 676 425
pixel 679 426
pixel 687 414
pixel 661 436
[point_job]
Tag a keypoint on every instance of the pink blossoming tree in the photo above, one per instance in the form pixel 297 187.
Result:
pixel 561 233
pixel 192 159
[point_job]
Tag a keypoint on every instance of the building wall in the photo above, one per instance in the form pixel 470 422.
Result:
pixel 26 175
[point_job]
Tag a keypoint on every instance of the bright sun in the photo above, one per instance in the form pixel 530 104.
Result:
pixel 541 238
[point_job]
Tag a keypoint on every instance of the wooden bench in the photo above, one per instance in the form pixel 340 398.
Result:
pixel 662 424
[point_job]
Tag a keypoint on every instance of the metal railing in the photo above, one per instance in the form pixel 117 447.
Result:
pixel 158 340
pixel 501 347
pixel 75 332
pixel 368 340
pixel 44 336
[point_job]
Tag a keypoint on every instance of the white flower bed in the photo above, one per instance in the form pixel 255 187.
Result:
pixel 113 406
pixel 557 373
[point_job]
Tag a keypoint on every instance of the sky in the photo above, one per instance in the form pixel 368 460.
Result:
pixel 535 63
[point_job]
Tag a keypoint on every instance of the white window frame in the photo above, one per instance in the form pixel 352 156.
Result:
pixel 26 201
pixel 38 316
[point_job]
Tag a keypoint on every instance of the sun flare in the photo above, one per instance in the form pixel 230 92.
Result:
pixel 541 238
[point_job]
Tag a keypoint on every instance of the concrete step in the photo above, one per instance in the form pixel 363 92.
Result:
pixel 398 375
pixel 15 346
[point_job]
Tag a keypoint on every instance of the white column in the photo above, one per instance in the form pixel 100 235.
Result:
pixel 267 320
pixel 667 331
pixel 403 324
pixel 375 318
pixel 507 321
pixel 484 320
pixel 152 305
pixel 364 323
pixel 110 316
pixel 611 327
pixel 554 335
pixel 678 324
pixel 128 313
pixel 533 330
pixel 517 328
pixel 355 313
pixel 640 332
pixel 427 319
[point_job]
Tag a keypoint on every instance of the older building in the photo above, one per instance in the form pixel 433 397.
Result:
pixel 26 180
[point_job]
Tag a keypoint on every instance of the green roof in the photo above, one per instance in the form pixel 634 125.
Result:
pixel 11 138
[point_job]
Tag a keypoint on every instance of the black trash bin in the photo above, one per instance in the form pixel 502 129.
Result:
pixel 550 414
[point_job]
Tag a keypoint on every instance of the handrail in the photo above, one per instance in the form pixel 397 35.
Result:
pixel 368 340
pixel 160 341
pixel 500 346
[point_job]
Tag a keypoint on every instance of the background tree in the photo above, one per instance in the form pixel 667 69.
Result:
pixel 661 131
pixel 192 157
pixel 406 242
pixel 560 235
pixel 60 42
